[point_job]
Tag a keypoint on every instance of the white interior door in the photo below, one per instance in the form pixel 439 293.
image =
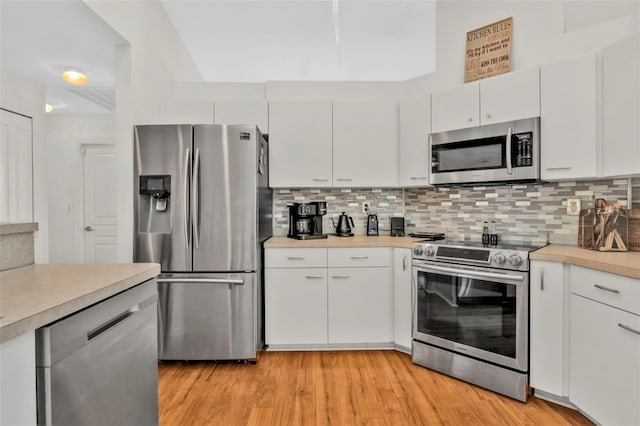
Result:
pixel 100 208
pixel 16 168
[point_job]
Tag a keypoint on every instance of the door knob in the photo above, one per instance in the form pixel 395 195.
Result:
pixel 88 228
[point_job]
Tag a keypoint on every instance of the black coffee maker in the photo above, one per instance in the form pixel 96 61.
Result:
pixel 305 220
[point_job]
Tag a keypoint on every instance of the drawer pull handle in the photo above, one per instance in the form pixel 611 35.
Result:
pixel 313 277
pixel 295 258
pixel 359 257
pixel 610 290
pixel 626 327
pixel 342 277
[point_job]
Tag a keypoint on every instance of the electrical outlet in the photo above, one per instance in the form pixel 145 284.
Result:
pixel 573 206
pixel 365 207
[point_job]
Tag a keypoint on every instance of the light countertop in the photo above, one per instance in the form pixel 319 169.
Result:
pixel 333 241
pixel 625 263
pixel 8 228
pixel 622 263
pixel 36 295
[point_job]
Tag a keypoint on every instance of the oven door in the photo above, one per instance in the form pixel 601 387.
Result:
pixel 476 311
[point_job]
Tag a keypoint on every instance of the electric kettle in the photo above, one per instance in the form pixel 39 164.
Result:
pixel 343 229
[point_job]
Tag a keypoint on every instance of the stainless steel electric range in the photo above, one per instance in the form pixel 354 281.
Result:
pixel 471 313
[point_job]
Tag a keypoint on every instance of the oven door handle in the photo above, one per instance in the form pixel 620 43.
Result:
pixel 472 274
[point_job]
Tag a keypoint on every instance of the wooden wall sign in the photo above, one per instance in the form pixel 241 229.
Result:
pixel 488 51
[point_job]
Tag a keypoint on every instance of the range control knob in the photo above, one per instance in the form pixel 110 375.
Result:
pixel 417 251
pixel 515 259
pixel 429 251
pixel 499 258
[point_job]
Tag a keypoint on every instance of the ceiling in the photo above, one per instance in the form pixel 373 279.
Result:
pixel 230 41
pixel 41 38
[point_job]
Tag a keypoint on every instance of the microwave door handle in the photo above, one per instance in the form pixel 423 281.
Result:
pixel 509 165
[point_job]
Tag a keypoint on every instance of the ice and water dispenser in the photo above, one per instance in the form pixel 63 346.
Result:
pixel 154 207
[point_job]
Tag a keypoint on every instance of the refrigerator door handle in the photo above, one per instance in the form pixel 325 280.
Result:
pixel 202 280
pixel 195 197
pixel 185 192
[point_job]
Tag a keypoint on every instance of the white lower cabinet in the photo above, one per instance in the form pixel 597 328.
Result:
pixel 604 363
pixel 359 305
pixel 296 306
pixel 402 297
pixel 547 328
pixel 18 380
pixel 320 296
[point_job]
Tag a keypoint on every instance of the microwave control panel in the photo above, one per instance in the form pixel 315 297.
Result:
pixel 522 149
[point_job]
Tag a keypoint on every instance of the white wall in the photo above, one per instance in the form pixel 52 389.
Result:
pixel 66 133
pixel 540 34
pixel 25 97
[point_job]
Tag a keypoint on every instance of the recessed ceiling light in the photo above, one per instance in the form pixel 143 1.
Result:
pixel 48 108
pixel 75 77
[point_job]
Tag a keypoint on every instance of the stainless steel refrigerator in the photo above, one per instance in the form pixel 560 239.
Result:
pixel 202 210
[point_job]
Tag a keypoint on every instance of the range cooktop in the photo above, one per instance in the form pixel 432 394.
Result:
pixel 503 255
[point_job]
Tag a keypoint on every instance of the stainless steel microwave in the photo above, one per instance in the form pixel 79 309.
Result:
pixel 492 154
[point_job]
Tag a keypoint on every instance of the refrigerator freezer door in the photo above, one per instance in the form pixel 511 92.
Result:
pixel 161 150
pixel 224 198
pixel 207 316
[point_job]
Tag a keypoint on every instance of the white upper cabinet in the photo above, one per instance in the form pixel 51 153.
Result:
pixel 414 118
pixel 365 144
pixel 457 108
pixel 621 108
pixel 243 112
pixel 510 96
pixel 507 97
pixel 569 121
pixel 300 144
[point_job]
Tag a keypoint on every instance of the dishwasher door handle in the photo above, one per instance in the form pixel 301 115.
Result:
pixel 233 281
pixel 106 326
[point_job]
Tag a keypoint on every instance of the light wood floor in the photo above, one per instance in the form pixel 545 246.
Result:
pixel 337 388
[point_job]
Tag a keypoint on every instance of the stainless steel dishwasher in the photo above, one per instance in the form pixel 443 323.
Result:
pixel 99 365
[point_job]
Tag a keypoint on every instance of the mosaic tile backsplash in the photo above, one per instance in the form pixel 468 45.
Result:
pixel 531 213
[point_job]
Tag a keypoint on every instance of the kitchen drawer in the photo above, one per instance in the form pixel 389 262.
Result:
pixel 295 258
pixel 611 289
pixel 354 257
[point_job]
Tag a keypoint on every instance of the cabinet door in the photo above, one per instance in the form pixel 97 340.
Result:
pixel 546 321
pixel 456 108
pixel 365 144
pixel 300 144
pixel 16 168
pixel 604 367
pixel 568 123
pixel 414 119
pixel 246 112
pixel 295 306
pixel 359 305
pixel 621 108
pixel 511 96
pixel 402 297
